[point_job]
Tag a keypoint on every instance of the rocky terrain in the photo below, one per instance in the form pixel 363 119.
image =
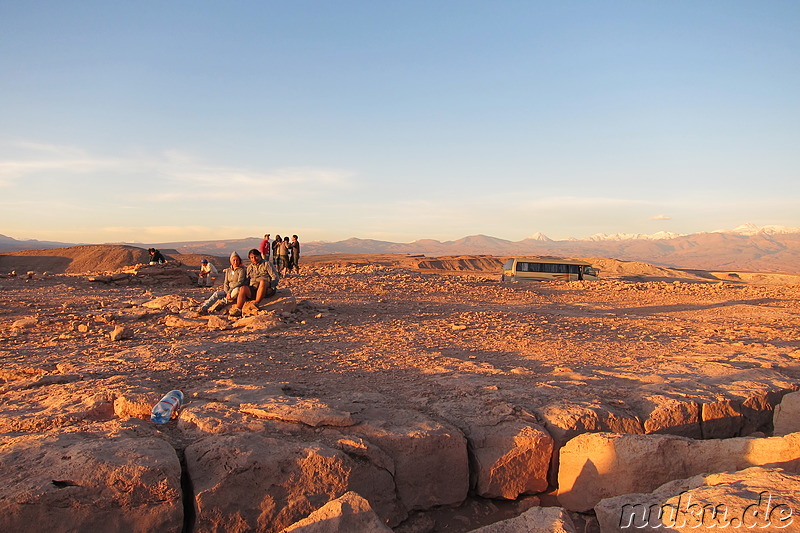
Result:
pixel 390 391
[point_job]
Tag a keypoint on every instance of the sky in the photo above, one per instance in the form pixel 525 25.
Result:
pixel 188 121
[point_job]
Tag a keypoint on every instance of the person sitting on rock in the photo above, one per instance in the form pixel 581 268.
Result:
pixel 235 279
pixel 207 271
pixel 155 257
pixel 261 275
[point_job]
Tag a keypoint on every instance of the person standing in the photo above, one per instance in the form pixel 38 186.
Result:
pixel 283 256
pixel 265 247
pixel 294 248
pixel 275 258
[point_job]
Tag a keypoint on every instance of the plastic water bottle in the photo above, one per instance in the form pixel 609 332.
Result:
pixel 162 411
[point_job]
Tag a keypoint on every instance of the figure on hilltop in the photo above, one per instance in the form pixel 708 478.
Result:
pixel 235 279
pixel 275 258
pixel 155 257
pixel 282 251
pixel 265 247
pixel 206 273
pixel 294 259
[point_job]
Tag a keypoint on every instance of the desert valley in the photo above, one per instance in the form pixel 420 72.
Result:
pixel 396 391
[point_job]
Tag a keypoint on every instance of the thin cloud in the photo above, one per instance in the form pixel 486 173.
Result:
pixel 169 233
pixel 180 175
pixel 661 217
pixel 224 182
pixel 12 171
pixel 564 202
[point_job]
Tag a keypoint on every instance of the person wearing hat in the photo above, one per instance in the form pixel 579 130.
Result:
pixel 207 272
pixel 235 279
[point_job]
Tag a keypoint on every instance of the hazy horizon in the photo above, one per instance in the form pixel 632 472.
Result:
pixel 744 229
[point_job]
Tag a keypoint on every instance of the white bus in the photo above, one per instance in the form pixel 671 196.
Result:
pixel 542 268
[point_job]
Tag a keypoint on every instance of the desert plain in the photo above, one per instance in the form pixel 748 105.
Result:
pixel 437 396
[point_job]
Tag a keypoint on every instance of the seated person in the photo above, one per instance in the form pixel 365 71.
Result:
pixel 235 281
pixel 207 271
pixel 155 257
pixel 262 276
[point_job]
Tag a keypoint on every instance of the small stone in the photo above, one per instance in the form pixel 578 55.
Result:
pixel 24 323
pixel 121 333
pixel 217 322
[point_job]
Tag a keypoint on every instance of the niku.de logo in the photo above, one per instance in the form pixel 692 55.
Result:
pixel 683 513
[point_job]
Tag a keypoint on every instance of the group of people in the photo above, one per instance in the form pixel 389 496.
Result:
pixel 254 283
pixel 285 253
pixel 258 281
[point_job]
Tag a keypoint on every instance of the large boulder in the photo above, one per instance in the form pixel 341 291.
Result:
pixel 722 419
pixel 759 409
pixel 534 520
pixel 754 499
pixel 670 416
pixel 346 514
pixel 565 420
pixel 787 414
pixel 509 450
pixel 430 457
pixel 80 482
pixel 248 481
pixel 509 459
pixel 602 465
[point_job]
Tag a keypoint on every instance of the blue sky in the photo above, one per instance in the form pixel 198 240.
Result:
pixel 171 121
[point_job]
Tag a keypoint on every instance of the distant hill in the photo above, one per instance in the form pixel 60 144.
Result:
pixel 9 244
pixel 769 249
pixel 74 259
pixel 748 247
pixel 760 251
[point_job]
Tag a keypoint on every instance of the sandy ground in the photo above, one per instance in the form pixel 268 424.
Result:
pixel 367 325
pixel 430 337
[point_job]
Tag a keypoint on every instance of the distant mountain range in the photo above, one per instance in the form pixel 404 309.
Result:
pixel 9 244
pixel 748 247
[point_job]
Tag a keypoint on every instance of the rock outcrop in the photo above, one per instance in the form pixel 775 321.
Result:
pixel 594 466
pixel 754 499
pixel 250 482
pixel 787 414
pixel 534 520
pixel 84 482
pixel 346 514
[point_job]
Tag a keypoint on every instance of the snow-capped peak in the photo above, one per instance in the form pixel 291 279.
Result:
pixel 539 237
pixel 634 236
pixel 752 229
